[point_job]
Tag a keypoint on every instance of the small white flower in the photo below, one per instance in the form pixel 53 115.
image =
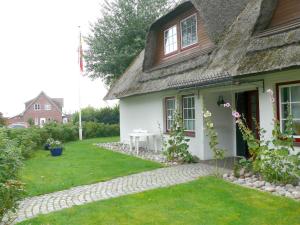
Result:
pixel 270 92
pixel 207 114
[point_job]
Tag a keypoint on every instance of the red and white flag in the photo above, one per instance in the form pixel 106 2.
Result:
pixel 80 54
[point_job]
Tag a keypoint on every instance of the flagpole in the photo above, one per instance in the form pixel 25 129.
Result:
pixel 79 78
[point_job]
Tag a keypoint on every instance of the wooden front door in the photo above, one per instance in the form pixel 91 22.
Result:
pixel 252 116
pixel 247 103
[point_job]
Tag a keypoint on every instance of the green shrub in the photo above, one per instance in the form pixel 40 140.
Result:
pixel 219 153
pixel 27 140
pixel 105 115
pixel 63 132
pixel 176 146
pixel 93 130
pixel 33 138
pixel 11 189
pixel 275 159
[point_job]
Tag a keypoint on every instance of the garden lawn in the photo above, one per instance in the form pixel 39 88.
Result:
pixel 81 163
pixel 207 201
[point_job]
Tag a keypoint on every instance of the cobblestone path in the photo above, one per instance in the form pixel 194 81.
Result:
pixel 135 183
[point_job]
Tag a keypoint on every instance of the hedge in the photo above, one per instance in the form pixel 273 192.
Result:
pixel 30 139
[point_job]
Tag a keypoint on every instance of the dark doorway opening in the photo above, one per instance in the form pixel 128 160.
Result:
pixel 247 103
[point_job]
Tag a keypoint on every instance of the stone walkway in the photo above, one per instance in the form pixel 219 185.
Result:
pixel 140 182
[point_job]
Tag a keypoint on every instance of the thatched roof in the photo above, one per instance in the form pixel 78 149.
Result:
pixel 240 49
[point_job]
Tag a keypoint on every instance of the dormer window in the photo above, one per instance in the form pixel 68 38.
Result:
pixel 179 36
pixel 189 31
pixel 170 40
pixel 37 107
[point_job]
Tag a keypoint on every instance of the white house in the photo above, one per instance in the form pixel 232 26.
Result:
pixel 206 52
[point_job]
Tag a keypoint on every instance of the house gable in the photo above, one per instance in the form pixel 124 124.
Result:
pixel 48 109
pixel 55 103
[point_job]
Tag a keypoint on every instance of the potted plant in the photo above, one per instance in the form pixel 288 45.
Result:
pixel 56 148
pixel 47 144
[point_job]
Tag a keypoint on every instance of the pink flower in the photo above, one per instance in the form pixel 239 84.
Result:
pixel 236 114
pixel 227 105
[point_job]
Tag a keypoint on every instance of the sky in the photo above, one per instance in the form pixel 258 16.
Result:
pixel 38 52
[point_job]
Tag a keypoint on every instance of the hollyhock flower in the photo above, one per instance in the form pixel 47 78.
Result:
pixel 207 114
pixel 210 125
pixel 236 114
pixel 270 92
pixel 227 105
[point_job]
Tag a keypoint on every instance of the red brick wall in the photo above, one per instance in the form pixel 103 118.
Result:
pixel 15 119
pixel 54 114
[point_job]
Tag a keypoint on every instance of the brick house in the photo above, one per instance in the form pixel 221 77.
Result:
pixel 40 110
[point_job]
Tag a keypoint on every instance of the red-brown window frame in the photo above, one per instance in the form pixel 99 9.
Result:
pixel 166 112
pixel 188 133
pixel 179 37
pixel 296 140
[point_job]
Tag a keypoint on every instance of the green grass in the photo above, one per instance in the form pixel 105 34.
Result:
pixel 81 163
pixel 207 201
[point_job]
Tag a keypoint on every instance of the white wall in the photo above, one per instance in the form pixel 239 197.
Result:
pixel 266 112
pixel 146 112
pixel 223 123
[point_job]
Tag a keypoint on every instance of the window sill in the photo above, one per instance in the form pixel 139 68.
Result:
pixel 187 133
pixel 297 142
pixel 190 133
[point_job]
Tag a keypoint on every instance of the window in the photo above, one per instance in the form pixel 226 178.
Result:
pixel 290 104
pixel 170 40
pixel 189 31
pixel 170 105
pixel 37 107
pixel 36 121
pixel 188 110
pixel 47 107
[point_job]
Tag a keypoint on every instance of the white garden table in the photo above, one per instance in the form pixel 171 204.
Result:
pixel 135 137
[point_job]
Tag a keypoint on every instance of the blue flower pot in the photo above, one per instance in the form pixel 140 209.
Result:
pixel 56 151
pixel 47 146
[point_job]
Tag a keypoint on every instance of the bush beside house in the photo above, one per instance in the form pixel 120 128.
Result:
pixel 11 189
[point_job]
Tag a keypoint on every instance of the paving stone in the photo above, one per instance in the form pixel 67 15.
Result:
pixel 164 177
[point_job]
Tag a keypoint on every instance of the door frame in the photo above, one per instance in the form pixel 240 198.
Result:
pixel 248 95
pixel 42 122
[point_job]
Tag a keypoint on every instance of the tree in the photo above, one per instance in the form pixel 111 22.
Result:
pixel 2 120
pixel 30 122
pixel 119 35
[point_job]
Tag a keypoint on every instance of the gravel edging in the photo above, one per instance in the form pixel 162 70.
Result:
pixel 143 153
pixel 254 181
